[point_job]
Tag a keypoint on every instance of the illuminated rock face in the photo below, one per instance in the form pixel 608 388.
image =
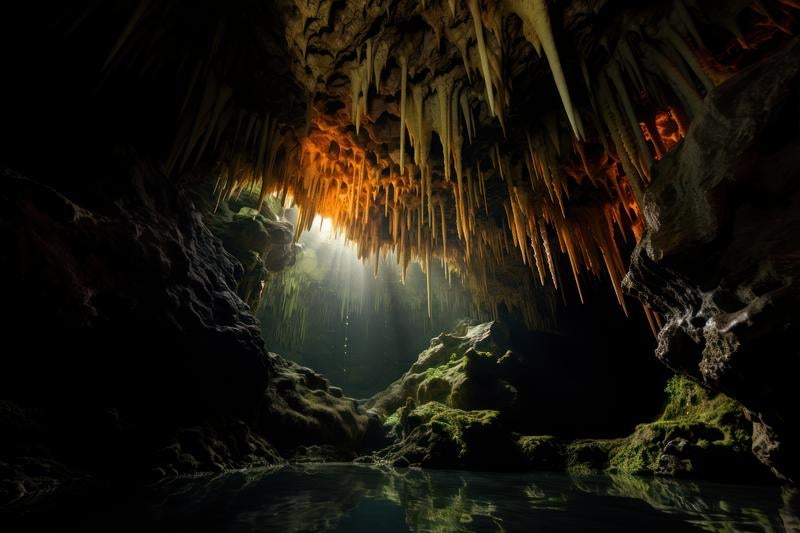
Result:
pixel 719 257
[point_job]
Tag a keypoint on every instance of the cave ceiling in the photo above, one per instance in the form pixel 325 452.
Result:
pixel 515 136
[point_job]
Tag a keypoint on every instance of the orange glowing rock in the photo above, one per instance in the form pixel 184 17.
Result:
pixel 669 128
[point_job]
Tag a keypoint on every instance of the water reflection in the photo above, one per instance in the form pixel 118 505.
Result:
pixel 365 498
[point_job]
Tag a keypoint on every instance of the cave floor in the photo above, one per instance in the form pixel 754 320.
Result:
pixel 352 497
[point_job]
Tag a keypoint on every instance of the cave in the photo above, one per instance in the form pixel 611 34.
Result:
pixel 400 265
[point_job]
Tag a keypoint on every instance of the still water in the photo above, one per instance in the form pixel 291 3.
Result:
pixel 360 498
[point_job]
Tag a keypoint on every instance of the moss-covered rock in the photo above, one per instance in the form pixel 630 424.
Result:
pixel 587 456
pixel 542 452
pixel 461 369
pixel 434 435
pixel 584 456
pixel 700 434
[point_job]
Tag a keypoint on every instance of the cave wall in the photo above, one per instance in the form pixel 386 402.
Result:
pixel 719 257
pixel 129 354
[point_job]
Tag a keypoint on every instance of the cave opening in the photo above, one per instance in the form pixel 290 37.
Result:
pixel 463 265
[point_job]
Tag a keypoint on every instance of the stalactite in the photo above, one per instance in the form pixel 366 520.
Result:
pixel 403 111
pixel 379 62
pixel 647 90
pixel 309 111
pixel 484 57
pixel 136 17
pixel 682 87
pixel 535 13
pixel 428 276
pixel 368 67
pixel 642 160
pixel 355 96
pixel 442 122
pixel 622 144
pixel 679 45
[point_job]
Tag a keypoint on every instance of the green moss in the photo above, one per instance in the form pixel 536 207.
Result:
pixel 691 413
pixel 637 454
pixel 439 372
pixel 436 372
pixel 542 452
pixel 391 421
pixel 588 456
pixel 449 421
pixel 527 442
pixel 691 404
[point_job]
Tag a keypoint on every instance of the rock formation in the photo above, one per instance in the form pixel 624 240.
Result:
pixel 129 352
pixel 469 411
pixel 718 257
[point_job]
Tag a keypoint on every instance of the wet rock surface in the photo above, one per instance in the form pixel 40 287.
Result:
pixel 719 259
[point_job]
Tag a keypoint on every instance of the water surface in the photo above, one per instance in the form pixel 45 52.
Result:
pixel 360 498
